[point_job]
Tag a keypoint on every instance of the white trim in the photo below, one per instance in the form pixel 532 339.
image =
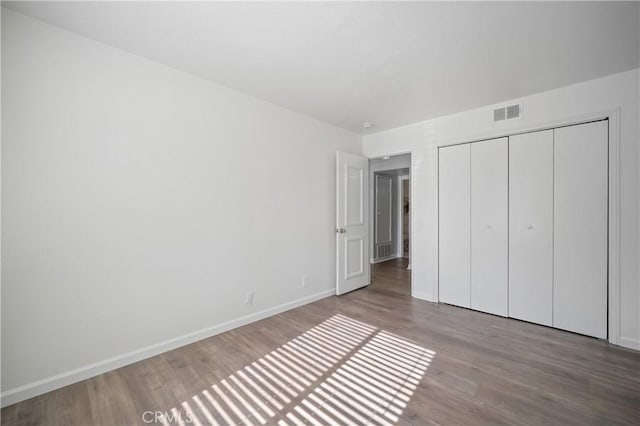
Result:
pixel 614 229
pixel 39 387
pixel 400 242
pixel 436 289
pixel 422 296
pixel 372 244
pixel 390 154
pixel 613 115
pixel 412 186
pixel 630 343
pixel 399 215
pixel 384 259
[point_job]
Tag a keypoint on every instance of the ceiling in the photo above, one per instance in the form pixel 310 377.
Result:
pixel 391 63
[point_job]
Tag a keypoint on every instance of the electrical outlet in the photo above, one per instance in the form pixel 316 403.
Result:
pixel 305 281
pixel 249 298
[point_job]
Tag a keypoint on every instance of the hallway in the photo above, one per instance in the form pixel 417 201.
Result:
pixel 392 277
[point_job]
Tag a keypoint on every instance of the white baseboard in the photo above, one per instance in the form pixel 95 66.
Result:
pixel 630 343
pixel 384 259
pixel 422 296
pixel 39 387
pixel 626 342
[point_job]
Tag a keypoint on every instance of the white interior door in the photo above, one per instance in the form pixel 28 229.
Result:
pixel 454 230
pixel 352 243
pixel 531 227
pixel 489 226
pixel 580 229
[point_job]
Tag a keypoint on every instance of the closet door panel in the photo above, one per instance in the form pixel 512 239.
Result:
pixel 531 227
pixel 454 225
pixel 489 226
pixel 580 229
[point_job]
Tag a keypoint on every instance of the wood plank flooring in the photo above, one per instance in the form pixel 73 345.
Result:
pixel 373 356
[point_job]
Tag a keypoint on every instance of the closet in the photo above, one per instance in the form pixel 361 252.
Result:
pixel 523 227
pixel 531 227
pixel 489 226
pixel 580 199
pixel 455 222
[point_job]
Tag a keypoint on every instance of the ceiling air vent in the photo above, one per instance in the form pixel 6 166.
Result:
pixel 499 114
pixel 513 111
pixel 507 113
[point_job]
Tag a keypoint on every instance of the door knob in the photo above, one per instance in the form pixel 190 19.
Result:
pixel 341 230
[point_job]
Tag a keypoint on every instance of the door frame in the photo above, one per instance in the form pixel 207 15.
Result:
pixel 614 210
pixel 411 197
pixel 401 180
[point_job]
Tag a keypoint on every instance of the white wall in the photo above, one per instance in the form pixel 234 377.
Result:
pixel 560 105
pixel 140 204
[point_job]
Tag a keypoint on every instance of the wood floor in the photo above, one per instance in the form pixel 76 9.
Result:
pixel 372 356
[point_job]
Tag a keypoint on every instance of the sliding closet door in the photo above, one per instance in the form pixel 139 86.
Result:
pixel 531 227
pixel 454 217
pixel 489 226
pixel 580 229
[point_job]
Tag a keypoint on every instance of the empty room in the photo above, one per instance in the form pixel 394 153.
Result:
pixel 323 213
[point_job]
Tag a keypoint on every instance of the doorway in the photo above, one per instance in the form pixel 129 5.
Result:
pixel 390 223
pixel 405 214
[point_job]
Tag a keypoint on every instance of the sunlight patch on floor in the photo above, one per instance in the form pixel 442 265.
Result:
pixel 341 371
